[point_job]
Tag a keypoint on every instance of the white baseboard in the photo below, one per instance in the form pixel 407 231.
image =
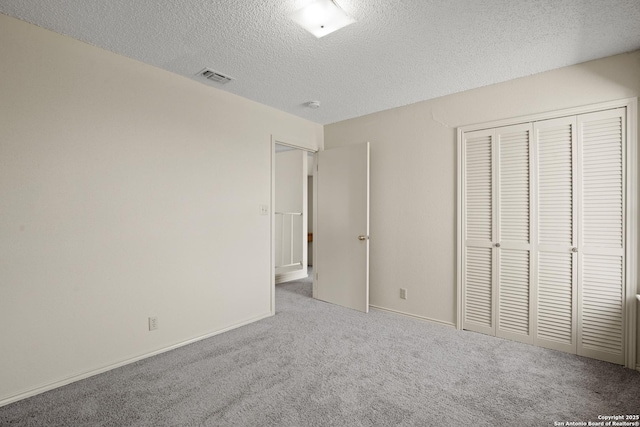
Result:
pixel 291 275
pixel 427 319
pixel 81 376
pixel 637 367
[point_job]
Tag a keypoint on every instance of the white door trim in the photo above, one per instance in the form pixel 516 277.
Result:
pixel 631 105
pixel 276 139
pixel 632 230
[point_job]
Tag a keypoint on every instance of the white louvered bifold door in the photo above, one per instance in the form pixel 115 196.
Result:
pixel 544 223
pixel 478 230
pixel 513 299
pixel 601 227
pixel 556 160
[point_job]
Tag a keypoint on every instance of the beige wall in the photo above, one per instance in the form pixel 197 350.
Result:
pixel 125 192
pixel 413 173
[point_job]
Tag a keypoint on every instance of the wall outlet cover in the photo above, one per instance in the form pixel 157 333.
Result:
pixel 153 323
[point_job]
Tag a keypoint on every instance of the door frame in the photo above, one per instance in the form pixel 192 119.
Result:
pixel 289 142
pixel 631 235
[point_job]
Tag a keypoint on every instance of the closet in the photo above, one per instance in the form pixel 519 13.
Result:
pixel 543 220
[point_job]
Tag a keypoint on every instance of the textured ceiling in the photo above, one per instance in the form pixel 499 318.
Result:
pixel 397 53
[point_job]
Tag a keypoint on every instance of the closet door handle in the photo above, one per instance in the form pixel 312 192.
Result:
pixel 574 249
pixel 497 245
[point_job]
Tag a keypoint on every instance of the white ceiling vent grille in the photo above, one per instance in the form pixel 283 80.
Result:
pixel 214 76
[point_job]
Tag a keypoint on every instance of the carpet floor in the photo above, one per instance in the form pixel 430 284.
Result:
pixel 316 364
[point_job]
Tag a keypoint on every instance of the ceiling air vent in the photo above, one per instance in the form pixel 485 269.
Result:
pixel 214 76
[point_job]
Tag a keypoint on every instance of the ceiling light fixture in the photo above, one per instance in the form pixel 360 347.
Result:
pixel 313 104
pixel 321 17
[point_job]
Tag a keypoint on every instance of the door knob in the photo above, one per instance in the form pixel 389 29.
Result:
pixel 497 245
pixel 574 249
pixel 362 237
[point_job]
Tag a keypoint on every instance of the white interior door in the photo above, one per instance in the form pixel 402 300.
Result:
pixel 342 227
pixel 479 232
pixel 514 219
pixel 601 248
pixel 556 151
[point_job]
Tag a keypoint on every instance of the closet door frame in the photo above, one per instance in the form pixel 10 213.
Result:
pixel 630 301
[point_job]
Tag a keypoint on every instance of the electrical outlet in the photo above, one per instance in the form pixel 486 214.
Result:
pixel 264 209
pixel 153 323
pixel 403 293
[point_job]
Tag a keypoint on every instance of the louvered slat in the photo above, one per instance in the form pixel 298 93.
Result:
pixel 514 291
pixel 602 184
pixel 479 188
pixel 478 286
pixel 514 186
pixel 555 186
pixel 555 297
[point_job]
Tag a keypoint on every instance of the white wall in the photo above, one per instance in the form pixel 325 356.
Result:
pixel 125 192
pixel 291 196
pixel 413 173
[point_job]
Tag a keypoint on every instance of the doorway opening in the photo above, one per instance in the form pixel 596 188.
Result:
pixel 292 214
